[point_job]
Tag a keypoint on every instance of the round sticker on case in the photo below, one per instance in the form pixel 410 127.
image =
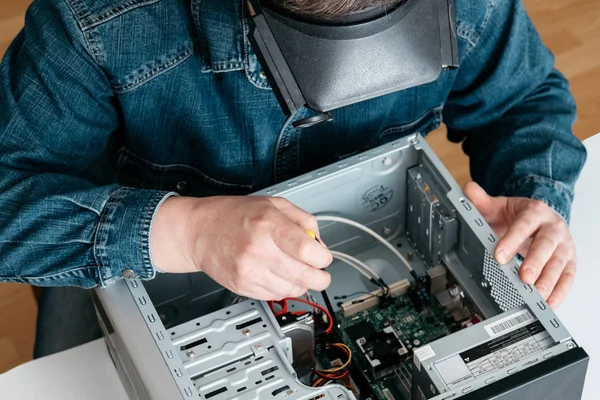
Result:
pixel 377 197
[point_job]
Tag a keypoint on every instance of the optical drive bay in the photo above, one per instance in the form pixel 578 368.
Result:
pixel 459 326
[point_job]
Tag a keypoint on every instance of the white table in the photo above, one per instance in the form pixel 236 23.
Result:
pixel 87 372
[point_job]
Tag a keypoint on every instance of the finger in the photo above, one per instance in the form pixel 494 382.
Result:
pixel 565 282
pixel 489 207
pixel 294 241
pixel 302 275
pixel 297 215
pixel 542 248
pixel 257 293
pixel 280 287
pixel 552 271
pixel 524 227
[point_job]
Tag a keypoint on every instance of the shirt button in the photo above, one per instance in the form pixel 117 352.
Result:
pixel 128 274
pixel 262 75
pixel 181 186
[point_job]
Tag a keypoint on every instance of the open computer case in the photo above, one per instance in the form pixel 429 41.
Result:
pixel 460 327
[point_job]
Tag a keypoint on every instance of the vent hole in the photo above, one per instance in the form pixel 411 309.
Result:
pixel 269 370
pixel 248 323
pixel 216 392
pixel 193 344
pixel 281 389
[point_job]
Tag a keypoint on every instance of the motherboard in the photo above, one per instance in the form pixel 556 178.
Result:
pixel 382 338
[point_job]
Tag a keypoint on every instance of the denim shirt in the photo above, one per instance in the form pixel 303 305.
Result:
pixel 107 107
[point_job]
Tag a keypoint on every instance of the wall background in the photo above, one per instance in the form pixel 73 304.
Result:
pixel 570 28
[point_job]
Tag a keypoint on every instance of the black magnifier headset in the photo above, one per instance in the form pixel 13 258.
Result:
pixel 326 64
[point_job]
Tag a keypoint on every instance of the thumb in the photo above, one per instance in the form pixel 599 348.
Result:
pixel 488 206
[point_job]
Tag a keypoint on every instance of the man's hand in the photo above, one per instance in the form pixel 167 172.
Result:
pixel 534 230
pixel 255 246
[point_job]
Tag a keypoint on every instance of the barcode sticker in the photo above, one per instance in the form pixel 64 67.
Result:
pixel 510 323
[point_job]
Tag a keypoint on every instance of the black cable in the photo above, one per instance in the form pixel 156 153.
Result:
pixel 349 295
pixel 329 306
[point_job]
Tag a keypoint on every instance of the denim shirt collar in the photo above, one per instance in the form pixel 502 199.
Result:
pixel 223 28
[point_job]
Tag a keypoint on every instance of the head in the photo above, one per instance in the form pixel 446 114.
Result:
pixel 330 9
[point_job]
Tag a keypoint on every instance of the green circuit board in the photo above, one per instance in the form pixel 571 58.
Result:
pixel 413 327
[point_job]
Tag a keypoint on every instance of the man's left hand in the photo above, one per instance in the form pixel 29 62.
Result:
pixel 538 233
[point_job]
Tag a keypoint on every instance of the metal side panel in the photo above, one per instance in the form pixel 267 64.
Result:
pixel 139 328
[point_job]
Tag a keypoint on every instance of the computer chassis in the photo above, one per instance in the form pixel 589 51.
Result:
pixel 180 336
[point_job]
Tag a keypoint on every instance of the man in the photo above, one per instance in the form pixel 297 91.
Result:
pixel 129 128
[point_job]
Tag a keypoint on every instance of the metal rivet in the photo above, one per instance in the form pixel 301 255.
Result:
pixel 386 161
pixel 245 332
pixel 387 230
pixel 258 346
pixel 262 75
pixel 190 353
pixel 570 346
pixel 181 185
pixel 128 274
pixel 289 392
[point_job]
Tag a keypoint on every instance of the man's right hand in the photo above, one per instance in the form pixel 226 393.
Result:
pixel 255 246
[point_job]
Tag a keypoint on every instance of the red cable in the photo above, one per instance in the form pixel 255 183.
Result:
pixel 330 326
pixel 282 304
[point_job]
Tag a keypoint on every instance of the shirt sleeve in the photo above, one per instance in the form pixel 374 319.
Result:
pixel 514 112
pixel 60 223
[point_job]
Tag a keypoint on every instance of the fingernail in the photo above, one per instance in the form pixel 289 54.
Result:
pixel 502 256
pixel 528 275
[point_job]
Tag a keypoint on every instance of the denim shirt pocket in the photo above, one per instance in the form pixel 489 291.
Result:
pixel 423 124
pixel 185 179
pixel 135 41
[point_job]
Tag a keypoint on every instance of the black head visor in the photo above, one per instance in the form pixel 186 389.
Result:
pixel 327 64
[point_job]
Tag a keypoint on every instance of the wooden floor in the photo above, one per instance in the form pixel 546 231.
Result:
pixel 571 28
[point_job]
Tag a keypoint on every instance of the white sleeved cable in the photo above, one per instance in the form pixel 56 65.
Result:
pixel 371 232
pixel 351 264
pixel 347 257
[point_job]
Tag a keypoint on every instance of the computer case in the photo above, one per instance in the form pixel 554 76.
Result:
pixel 183 336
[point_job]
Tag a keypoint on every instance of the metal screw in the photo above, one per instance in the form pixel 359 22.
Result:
pixel 387 230
pixel 289 392
pixel 361 341
pixel 258 346
pixel 191 353
pixel 245 332
pixel 570 346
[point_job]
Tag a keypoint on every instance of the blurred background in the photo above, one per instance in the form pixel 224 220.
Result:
pixel 570 28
